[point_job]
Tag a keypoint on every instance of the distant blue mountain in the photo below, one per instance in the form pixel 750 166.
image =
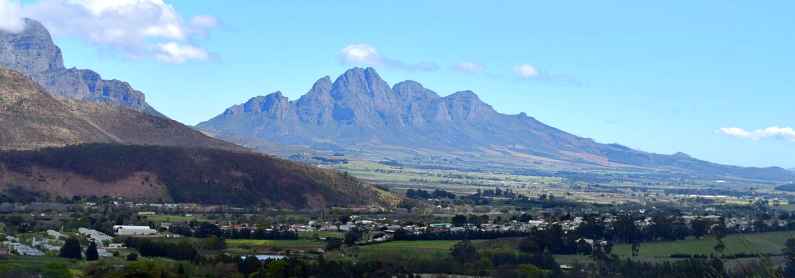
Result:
pixel 361 114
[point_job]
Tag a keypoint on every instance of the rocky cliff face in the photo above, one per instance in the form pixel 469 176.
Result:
pixel 33 53
pixel 360 112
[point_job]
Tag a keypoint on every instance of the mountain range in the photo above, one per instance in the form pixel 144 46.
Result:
pixel 360 114
pixel 67 132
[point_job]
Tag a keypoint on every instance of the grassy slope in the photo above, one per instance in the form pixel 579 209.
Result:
pixel 764 243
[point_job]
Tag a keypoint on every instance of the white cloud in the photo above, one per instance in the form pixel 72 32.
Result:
pixel 176 53
pixel 526 71
pixel 11 16
pixel 361 54
pixel 367 55
pixel 135 27
pixel 759 134
pixel 469 67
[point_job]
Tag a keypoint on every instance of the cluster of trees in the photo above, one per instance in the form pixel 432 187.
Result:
pixel 424 195
pixel 72 250
pixel 460 220
pixel 496 193
pixel 626 229
pixel 177 250
pixel 205 230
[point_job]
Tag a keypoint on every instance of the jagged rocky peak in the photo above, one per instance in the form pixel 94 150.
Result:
pixel 30 51
pixel 33 53
pixel 358 81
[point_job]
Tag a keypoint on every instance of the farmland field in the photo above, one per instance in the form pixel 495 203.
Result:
pixel 172 218
pixel 408 250
pixel 275 244
pixel 47 266
pixel 763 243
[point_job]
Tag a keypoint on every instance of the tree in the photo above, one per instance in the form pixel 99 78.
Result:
pixel 583 247
pixel 459 220
pixel 214 243
pixel 132 257
pixel 474 220
pixel 699 227
pixel 635 248
pixel 91 252
pixel 464 252
pixel 530 245
pixel 352 236
pixel 625 228
pixel 249 265
pixel 345 219
pixel 71 249
pixel 333 243
pixel 720 247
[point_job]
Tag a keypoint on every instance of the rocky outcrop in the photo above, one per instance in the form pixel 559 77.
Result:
pixel 33 53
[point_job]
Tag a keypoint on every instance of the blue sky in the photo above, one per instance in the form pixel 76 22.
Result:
pixel 662 77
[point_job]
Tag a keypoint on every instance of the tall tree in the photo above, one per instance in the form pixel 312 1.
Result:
pixel 71 249
pixel 92 253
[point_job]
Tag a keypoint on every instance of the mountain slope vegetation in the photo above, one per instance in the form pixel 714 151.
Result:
pixel 175 174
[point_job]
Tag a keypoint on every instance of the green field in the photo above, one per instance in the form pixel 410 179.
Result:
pixel 762 243
pixel 171 218
pixel 408 250
pixel 274 244
pixel 47 266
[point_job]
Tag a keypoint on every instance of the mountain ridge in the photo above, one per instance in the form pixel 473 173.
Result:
pixel 360 113
pixel 33 53
pixel 32 119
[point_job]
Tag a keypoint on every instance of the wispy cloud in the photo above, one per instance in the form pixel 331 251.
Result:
pixel 367 55
pixel 771 132
pixel 469 67
pixel 11 16
pixel 137 28
pixel 533 73
pixel 526 71
pixel 176 53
